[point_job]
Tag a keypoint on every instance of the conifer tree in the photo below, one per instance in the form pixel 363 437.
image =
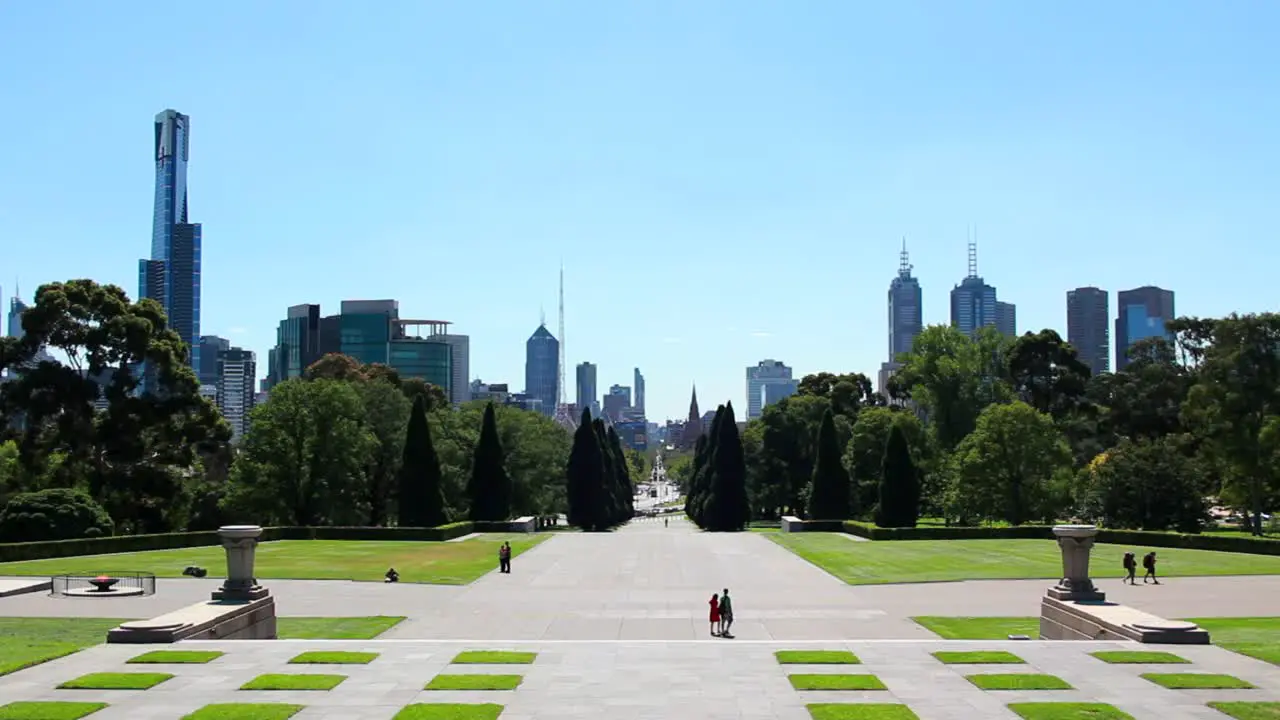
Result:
pixel 830 492
pixel 694 488
pixel 727 507
pixel 490 486
pixel 609 479
pixel 899 483
pixel 584 481
pixel 625 492
pixel 707 471
pixel 422 501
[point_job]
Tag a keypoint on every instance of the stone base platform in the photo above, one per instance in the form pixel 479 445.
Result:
pixel 22 586
pixel 1071 620
pixel 210 620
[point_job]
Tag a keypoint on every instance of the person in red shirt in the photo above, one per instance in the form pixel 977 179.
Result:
pixel 715 614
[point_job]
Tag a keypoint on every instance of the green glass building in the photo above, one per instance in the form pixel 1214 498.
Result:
pixel 424 358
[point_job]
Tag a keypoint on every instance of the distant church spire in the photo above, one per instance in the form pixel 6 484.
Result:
pixel 693 425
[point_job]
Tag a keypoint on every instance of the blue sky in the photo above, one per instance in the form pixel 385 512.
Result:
pixel 724 181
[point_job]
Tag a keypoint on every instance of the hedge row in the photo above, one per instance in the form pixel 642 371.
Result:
pixel 13 552
pixel 1137 538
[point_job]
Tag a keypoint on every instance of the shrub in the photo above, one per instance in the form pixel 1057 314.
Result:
pixel 55 514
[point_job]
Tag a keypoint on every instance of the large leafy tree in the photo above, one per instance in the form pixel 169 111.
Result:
pixel 726 507
pixel 864 454
pixel 133 458
pixel 1145 399
pixel 899 501
pixel 829 492
pixel 784 457
pixel 421 497
pixel 847 393
pixel 1145 484
pixel 1046 373
pixel 490 487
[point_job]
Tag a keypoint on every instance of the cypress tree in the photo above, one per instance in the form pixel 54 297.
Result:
pixel 609 485
pixel 421 492
pixel 695 472
pixel 829 489
pixel 899 483
pixel 584 478
pixel 490 486
pixel 706 477
pixel 727 508
pixel 625 492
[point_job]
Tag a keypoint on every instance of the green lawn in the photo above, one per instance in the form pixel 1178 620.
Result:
pixel 450 711
pixel 1257 637
pixel 979 628
pixel 245 711
pixel 475 682
pixel 860 711
pixel 494 657
pixel 1248 710
pixel 867 563
pixel 1018 681
pixel 816 657
pixel 1197 681
pixel 1139 657
pixel 301 681
pixel 333 657
pixel 30 641
pixel 824 681
pixel 979 657
pixel 177 657
pixel 343 628
pixel 440 563
pixel 1068 711
pixel 48 710
pixel 116 681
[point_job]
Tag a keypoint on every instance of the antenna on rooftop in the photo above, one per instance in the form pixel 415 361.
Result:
pixel 904 261
pixel 973 254
pixel 560 399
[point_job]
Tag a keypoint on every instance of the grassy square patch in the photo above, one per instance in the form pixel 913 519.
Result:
pixel 823 681
pixel 1139 657
pixel 475 682
pixel 494 657
pixel 1248 710
pixel 979 657
pixel 245 711
pixel 860 711
pixel 116 681
pixel 1018 681
pixel 334 657
pixel 979 628
pixel 48 710
pixel 1197 681
pixel 300 681
pixel 449 711
pixel 176 657
pixel 1068 711
pixel 816 657
pixel 327 628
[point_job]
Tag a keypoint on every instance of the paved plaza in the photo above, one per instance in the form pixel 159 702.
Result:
pixel 619 624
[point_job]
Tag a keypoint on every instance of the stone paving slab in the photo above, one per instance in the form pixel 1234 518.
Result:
pixel 682 680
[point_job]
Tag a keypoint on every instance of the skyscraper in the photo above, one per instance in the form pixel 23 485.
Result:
pixel 973 301
pixel 1007 319
pixel 638 403
pixel 766 372
pixel 297 343
pixel 210 347
pixel 542 368
pixel 586 395
pixel 906 308
pixel 1140 314
pixel 235 388
pixel 171 276
pixel 1088 327
pixel 460 356
pixel 616 402
pixel 16 308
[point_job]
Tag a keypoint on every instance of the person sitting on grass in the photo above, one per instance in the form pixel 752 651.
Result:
pixel 392 576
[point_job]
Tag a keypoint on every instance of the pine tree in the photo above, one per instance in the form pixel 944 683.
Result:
pixel 727 508
pixel 707 473
pixel 490 486
pixel 899 483
pixel 694 488
pixel 625 492
pixel 421 493
pixel 585 478
pixel 830 492
pixel 609 485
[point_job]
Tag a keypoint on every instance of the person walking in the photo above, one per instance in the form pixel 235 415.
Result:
pixel 1149 564
pixel 715 614
pixel 1130 567
pixel 726 614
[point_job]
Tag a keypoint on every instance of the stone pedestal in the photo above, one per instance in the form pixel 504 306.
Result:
pixel 1076 542
pixel 241 543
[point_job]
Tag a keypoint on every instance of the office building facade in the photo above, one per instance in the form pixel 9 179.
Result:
pixel 235 390
pixel 297 344
pixel 763 373
pixel 906 308
pixel 460 372
pixel 210 346
pixel 1088 327
pixel 1141 313
pixel 542 369
pixel 1007 319
pixel 973 305
pixel 587 395
pixel 16 308
pixel 638 403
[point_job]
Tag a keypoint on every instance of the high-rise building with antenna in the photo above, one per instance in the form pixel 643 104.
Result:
pixel 564 415
pixel 973 301
pixel 906 316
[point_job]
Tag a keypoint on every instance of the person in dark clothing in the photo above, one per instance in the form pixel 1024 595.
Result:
pixel 1149 564
pixel 392 576
pixel 1130 567
pixel 504 558
pixel 726 614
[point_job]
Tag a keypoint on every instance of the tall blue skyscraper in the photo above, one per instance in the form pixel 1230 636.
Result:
pixel 1140 314
pixel 906 314
pixel 542 368
pixel 973 301
pixel 171 276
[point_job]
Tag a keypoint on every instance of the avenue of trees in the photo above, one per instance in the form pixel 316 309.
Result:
pixel 992 430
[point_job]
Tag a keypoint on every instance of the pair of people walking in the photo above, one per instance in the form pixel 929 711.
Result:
pixel 1148 564
pixel 721 614
pixel 504 558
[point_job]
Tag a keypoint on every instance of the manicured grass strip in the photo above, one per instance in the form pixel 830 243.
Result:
pixel 979 628
pixel 1257 637
pixel 342 628
pixel 494 657
pixel 1248 710
pixel 860 711
pixel 475 682
pixel 294 682
pixel 1068 711
pixel 863 563
pixel 323 657
pixel 116 681
pixel 245 711
pixel 176 657
pixel 48 710
pixel 816 657
pixel 30 641
pixel 1139 657
pixel 835 682
pixel 980 657
pixel 441 563
pixel 1197 681
pixel 449 711
pixel 1018 681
